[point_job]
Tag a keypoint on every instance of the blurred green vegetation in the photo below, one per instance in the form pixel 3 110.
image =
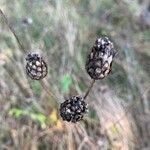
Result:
pixel 66 82
pixel 63 32
pixel 18 113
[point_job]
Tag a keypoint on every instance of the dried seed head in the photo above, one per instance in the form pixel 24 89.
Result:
pixel 36 67
pixel 73 109
pixel 99 61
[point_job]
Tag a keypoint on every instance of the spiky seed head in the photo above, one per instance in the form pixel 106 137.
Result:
pixel 99 60
pixel 73 109
pixel 36 67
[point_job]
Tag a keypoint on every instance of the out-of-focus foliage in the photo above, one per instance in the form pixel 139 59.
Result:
pixel 63 32
pixel 18 113
pixel 66 82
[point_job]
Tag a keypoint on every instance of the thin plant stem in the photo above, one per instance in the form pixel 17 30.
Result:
pixel 47 90
pixel 89 89
pixel 22 48
pixel 12 30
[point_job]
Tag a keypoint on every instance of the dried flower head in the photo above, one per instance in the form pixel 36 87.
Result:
pixel 99 61
pixel 36 67
pixel 73 109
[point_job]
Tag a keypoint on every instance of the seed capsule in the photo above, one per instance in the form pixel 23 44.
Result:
pixel 73 109
pixel 99 61
pixel 36 67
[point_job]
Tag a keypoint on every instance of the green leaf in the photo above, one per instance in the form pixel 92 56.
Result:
pixel 66 82
pixel 16 112
pixel 38 117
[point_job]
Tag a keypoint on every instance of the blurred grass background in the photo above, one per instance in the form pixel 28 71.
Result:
pixel 63 32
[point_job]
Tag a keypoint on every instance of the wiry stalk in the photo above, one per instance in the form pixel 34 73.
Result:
pixel 22 48
pixel 89 89
pixel 47 90
pixel 12 30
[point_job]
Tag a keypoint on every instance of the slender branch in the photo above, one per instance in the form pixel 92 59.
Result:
pixel 47 90
pixel 22 48
pixel 89 89
pixel 12 30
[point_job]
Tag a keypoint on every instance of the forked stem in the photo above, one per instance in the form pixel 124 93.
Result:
pixel 89 89
pixel 22 48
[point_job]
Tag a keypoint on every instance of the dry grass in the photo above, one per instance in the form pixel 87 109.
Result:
pixel 64 31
